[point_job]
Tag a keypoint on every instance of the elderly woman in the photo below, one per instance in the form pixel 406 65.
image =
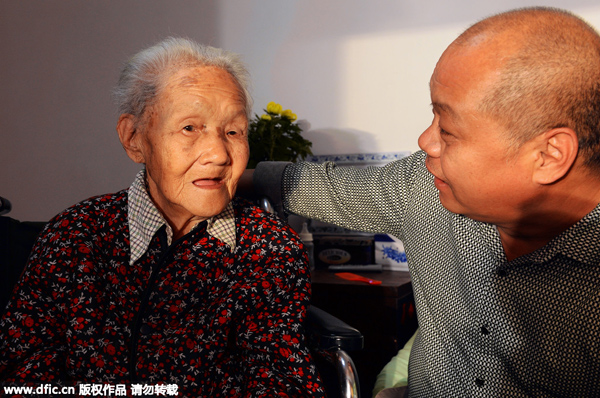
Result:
pixel 171 282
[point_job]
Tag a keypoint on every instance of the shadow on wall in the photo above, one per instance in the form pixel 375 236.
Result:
pixel 333 141
pixel 367 65
pixel 59 144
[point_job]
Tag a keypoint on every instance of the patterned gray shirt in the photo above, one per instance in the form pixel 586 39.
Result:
pixel 488 327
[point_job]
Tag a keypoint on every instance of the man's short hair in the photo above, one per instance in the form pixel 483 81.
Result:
pixel 551 80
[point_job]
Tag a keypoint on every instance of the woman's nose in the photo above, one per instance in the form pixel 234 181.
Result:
pixel 215 149
pixel 429 141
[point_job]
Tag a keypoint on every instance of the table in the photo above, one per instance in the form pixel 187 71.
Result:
pixel 384 314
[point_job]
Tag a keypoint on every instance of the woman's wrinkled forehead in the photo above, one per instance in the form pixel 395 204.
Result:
pixel 210 77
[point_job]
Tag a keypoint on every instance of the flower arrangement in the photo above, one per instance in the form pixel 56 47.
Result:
pixel 275 136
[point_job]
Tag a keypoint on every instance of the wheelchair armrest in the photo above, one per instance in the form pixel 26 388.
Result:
pixel 16 241
pixel 326 332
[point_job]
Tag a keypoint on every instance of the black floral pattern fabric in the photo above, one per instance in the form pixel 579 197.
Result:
pixel 216 322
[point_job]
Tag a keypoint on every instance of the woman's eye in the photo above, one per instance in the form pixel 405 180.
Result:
pixel 240 133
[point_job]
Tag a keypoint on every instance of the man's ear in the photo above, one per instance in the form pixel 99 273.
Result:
pixel 557 153
pixel 130 137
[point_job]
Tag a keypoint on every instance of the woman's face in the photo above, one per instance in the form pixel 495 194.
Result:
pixel 194 145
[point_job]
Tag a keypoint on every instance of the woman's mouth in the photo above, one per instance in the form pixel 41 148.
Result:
pixel 209 183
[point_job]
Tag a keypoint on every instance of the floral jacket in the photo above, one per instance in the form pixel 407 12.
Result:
pixel 214 321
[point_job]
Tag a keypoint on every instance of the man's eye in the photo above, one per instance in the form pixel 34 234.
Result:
pixel 232 132
pixel 189 128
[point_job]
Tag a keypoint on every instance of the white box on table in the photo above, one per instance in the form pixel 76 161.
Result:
pixel 389 252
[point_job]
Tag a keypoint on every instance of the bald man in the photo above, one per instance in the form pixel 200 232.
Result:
pixel 498 213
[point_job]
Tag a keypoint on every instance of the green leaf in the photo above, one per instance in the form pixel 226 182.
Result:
pixel 277 139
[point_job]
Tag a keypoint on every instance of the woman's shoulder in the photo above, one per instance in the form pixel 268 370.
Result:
pixel 245 208
pixel 94 212
pixel 252 218
pixel 268 240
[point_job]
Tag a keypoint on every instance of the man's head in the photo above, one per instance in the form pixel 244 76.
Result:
pixel 551 79
pixel 516 101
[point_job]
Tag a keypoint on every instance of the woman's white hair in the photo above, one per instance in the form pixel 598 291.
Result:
pixel 142 76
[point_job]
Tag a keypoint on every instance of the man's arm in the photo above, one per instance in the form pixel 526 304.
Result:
pixel 372 199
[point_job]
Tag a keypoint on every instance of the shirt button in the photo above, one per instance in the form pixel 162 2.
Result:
pixel 502 273
pixel 484 330
pixel 479 382
pixel 146 329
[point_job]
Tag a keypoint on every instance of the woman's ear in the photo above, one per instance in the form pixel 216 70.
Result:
pixel 130 138
pixel 557 154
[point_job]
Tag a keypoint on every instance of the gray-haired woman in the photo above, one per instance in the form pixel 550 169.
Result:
pixel 171 285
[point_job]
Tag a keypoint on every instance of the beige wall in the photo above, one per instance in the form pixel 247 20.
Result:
pixel 60 60
pixel 355 71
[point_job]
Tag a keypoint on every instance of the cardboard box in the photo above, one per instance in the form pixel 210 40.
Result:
pixel 342 249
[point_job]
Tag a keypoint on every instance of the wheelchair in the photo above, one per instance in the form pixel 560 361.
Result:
pixel 329 338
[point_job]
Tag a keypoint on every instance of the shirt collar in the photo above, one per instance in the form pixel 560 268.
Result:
pixel 145 220
pixel 580 242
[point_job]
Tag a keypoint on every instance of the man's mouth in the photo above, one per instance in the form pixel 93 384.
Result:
pixel 438 182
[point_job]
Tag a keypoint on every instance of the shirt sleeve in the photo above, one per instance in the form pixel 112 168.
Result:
pixel 371 199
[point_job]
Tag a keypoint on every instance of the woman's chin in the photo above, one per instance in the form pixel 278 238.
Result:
pixel 209 204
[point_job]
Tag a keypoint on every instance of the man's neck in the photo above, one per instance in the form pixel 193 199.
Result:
pixel 517 246
pixel 548 218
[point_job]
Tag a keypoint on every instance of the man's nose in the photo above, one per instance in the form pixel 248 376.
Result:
pixel 429 141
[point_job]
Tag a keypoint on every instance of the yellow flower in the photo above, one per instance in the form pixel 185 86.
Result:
pixel 266 117
pixel 289 114
pixel 274 108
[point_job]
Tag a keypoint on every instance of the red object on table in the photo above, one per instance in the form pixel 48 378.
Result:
pixel 354 277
